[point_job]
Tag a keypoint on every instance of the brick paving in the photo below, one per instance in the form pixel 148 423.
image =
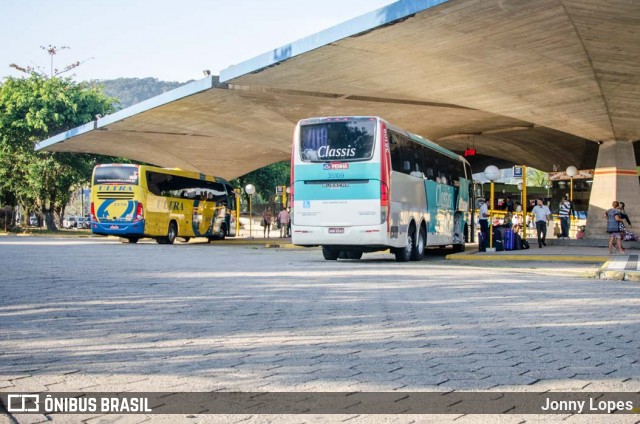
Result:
pixel 96 315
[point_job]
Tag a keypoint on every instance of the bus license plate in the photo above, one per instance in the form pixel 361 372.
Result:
pixel 114 227
pixel 336 230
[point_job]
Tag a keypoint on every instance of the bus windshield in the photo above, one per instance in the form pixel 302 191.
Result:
pixel 344 140
pixel 116 175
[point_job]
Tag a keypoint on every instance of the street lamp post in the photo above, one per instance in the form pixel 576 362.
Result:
pixel 492 173
pixel 523 191
pixel 572 171
pixel 250 189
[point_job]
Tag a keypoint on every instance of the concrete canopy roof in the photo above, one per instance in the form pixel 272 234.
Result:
pixel 535 82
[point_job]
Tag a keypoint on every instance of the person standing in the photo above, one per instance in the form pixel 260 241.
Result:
pixel 283 219
pixel 266 223
pixel 613 227
pixel 483 220
pixel 509 206
pixel 564 212
pixel 541 214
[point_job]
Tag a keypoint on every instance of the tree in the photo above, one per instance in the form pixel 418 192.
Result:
pixel 130 91
pixel 31 109
pixel 537 178
pixel 266 179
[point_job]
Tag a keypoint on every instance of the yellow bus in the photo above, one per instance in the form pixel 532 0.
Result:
pixel 136 201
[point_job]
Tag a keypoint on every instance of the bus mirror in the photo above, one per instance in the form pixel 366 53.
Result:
pixel 478 191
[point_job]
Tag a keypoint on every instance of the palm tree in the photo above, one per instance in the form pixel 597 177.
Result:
pixel 537 178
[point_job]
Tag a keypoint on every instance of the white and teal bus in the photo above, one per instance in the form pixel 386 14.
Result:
pixel 360 184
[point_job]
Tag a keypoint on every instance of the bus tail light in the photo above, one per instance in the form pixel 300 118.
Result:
pixel 93 212
pixel 384 194
pixel 139 213
pixel 385 177
pixel 384 202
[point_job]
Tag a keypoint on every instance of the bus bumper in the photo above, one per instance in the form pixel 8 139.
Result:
pixel 118 228
pixel 369 235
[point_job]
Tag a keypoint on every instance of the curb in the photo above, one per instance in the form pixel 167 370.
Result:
pixel 540 258
pixel 49 235
pixel 604 273
pixel 282 246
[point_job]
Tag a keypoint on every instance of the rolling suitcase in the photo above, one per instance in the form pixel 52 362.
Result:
pixel 509 240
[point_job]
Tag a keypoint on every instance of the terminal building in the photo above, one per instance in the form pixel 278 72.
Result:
pixel 549 84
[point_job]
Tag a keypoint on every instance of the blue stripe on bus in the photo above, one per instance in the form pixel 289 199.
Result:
pixel 440 203
pixel 130 206
pixel 103 207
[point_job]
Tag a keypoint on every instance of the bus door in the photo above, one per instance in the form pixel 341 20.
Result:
pixel 463 195
pixel 462 209
pixel 231 211
pixel 204 208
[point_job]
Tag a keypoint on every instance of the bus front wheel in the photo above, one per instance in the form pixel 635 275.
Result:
pixel 330 254
pixel 132 240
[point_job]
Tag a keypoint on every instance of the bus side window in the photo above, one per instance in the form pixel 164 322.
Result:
pixel 154 180
pixel 430 173
pixel 396 152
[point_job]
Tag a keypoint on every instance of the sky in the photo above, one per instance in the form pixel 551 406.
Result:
pixel 168 40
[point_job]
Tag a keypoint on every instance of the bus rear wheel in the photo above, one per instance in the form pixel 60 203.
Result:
pixel 404 254
pixel 132 240
pixel 172 232
pixel 330 254
pixel 354 254
pixel 417 254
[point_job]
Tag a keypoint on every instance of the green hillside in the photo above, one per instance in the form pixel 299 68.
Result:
pixel 130 91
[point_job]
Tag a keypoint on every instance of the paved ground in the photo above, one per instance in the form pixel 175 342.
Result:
pixel 96 315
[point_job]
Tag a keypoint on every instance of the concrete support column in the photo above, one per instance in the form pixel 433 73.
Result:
pixel 615 178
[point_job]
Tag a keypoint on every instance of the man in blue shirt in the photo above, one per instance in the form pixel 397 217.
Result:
pixel 542 214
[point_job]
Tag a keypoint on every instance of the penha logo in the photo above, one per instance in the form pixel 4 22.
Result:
pixel 339 165
pixel 335 165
